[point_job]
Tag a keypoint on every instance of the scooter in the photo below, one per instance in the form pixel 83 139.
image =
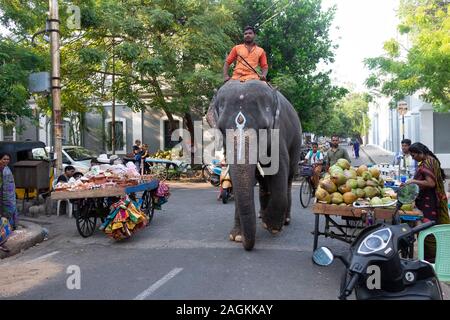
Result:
pixel 211 172
pixel 375 269
pixel 226 187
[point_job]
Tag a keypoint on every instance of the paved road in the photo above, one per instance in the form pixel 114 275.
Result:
pixel 184 254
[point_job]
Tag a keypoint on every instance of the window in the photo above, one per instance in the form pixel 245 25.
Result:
pixel 120 135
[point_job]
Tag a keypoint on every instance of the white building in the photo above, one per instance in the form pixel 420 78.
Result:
pixel 422 124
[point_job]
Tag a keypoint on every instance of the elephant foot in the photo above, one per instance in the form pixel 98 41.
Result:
pixel 264 225
pixel 272 231
pixel 235 235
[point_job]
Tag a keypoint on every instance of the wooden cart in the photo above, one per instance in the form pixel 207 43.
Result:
pixel 352 221
pixel 92 204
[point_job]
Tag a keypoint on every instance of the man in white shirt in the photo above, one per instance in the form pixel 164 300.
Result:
pixel 404 159
pixel 315 158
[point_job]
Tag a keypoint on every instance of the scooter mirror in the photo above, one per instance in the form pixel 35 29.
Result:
pixel 408 193
pixel 323 256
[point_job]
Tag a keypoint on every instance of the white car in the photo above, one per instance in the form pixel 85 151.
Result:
pixel 78 157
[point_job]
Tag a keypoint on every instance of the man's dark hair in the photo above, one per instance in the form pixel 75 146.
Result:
pixel 250 28
pixel 68 168
pixel 315 144
pixel 406 141
pixel 334 136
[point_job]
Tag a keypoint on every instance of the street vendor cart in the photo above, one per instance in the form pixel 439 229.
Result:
pixel 353 220
pixel 89 205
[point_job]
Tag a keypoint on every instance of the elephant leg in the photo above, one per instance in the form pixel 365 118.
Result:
pixel 278 201
pixel 264 196
pixel 235 233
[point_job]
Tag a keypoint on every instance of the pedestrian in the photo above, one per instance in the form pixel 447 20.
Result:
pixel 404 159
pixel 356 148
pixel 137 153
pixel 8 210
pixel 432 200
pixel 335 153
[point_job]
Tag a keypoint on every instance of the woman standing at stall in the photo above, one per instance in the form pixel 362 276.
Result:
pixel 432 200
pixel 8 211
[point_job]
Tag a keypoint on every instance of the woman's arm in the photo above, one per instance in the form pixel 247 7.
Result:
pixel 427 183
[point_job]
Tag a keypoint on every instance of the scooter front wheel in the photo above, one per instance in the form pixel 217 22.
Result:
pixel 224 195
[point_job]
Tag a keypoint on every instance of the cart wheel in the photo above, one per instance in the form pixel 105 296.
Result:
pixel 160 171
pixel 206 174
pixel 85 219
pixel 147 205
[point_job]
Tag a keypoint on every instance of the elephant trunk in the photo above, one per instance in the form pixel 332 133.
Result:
pixel 243 178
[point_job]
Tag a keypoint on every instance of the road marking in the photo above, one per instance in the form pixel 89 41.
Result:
pixel 45 256
pixel 158 284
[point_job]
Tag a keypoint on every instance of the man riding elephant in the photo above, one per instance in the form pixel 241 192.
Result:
pixel 248 56
pixel 257 120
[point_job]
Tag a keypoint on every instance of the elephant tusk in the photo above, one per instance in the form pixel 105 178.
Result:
pixel 260 169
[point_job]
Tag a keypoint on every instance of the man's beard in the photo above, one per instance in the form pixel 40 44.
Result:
pixel 248 41
pixel 335 145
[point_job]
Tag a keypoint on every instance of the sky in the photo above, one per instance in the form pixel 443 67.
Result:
pixel 364 25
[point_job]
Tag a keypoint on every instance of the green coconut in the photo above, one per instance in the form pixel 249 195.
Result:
pixel 338 178
pixel 370 192
pixel 375 201
pixel 352 183
pixel 343 163
pixel 328 185
pixel 337 198
pixel 361 182
pixel 350 174
pixel 366 175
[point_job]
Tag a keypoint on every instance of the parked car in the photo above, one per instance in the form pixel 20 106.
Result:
pixel 78 157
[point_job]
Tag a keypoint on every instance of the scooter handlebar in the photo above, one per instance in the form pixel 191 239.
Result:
pixel 423 226
pixel 349 288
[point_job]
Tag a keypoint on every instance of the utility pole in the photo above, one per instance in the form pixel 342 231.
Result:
pixel 56 81
pixel 113 111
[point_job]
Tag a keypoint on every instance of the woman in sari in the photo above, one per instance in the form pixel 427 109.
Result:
pixel 8 212
pixel 432 199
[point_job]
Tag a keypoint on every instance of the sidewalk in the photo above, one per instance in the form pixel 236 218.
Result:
pixel 26 236
pixel 377 155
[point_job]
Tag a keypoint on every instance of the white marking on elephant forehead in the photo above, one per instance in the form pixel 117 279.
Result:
pixel 277 113
pixel 240 124
pixel 241 97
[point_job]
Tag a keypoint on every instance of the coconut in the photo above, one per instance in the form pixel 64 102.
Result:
pixel 343 163
pixel 328 185
pixel 361 169
pixel 335 168
pixel 350 174
pixel 366 175
pixel 359 193
pixel 375 172
pixel 381 182
pixel 407 207
pixel 320 194
pixel 352 183
pixel 337 198
pixel 375 201
pixel 349 197
pixel 386 200
pixel 338 178
pixel 371 183
pixel 361 182
pixel 370 192
pixel 344 188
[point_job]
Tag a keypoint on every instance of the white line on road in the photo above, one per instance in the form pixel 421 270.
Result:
pixel 45 256
pixel 158 284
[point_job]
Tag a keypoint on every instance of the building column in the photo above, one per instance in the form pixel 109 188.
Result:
pixel 426 125
pixel 137 126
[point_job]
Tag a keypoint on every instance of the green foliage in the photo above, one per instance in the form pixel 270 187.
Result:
pixel 425 66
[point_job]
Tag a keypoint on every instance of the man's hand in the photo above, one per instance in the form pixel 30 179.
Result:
pixel 262 77
pixel 226 78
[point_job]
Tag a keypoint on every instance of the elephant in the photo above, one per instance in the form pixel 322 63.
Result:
pixel 238 107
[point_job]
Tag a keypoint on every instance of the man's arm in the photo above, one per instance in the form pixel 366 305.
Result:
pixel 346 156
pixel 228 61
pixel 264 65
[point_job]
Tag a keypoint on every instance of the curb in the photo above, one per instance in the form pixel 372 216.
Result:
pixel 16 243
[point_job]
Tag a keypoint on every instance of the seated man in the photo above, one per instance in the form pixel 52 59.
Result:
pixel 315 158
pixel 248 56
pixel 68 173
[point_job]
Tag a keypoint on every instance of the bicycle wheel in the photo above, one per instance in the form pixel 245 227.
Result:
pixel 159 170
pixel 305 193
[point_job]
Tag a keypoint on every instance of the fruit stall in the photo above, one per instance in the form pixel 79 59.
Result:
pixel 118 195
pixel 343 186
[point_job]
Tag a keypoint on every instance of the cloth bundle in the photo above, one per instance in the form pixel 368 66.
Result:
pixel 5 229
pixel 124 220
pixel 161 195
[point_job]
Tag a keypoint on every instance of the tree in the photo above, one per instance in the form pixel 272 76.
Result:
pixel 352 111
pixel 295 35
pixel 423 66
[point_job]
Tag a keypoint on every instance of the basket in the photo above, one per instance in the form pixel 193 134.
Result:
pixel 306 171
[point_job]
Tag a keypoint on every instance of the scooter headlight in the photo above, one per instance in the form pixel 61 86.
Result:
pixel 375 241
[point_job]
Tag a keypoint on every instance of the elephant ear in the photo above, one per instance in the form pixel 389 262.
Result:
pixel 212 115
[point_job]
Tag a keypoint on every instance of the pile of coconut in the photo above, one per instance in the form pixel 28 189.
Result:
pixel 343 185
